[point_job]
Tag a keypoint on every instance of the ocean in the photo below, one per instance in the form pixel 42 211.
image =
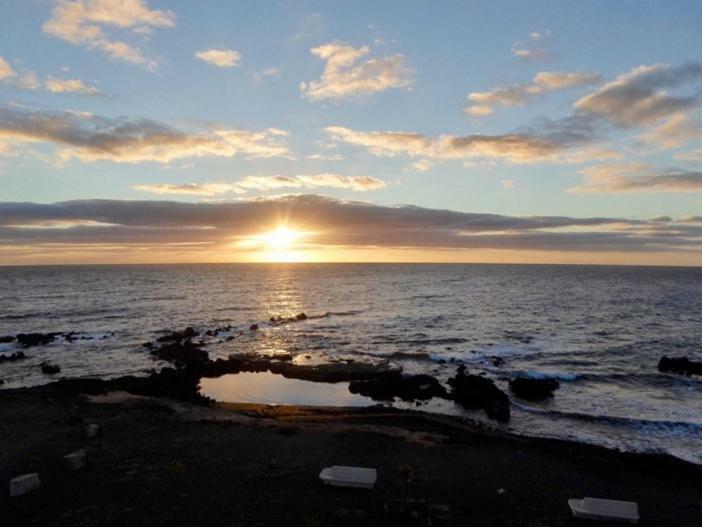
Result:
pixel 599 330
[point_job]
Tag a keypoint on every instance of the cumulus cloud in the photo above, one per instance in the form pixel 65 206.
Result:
pixel 222 58
pixel 346 77
pixel 553 141
pixel 28 80
pixel 266 73
pixel 88 23
pixel 193 189
pixel 483 103
pixel 333 222
pixel 6 70
pixel 92 138
pixel 358 183
pixel 694 155
pixel 639 97
pixel 533 48
pixel 674 132
pixel 267 183
pixel 70 86
pixel 636 177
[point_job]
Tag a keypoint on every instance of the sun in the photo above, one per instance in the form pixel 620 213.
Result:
pixel 280 238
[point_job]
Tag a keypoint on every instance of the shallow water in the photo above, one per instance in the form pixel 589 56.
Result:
pixel 599 330
pixel 269 388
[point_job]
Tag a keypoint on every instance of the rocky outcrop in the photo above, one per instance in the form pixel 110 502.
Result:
pixel 181 354
pixel 387 386
pixel 178 336
pixel 533 389
pixel 475 392
pixel 6 339
pixel 49 369
pixel 35 339
pixel 680 365
pixel 18 355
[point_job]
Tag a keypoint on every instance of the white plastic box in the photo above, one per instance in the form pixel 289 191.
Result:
pixel 23 484
pixel 356 477
pixel 599 509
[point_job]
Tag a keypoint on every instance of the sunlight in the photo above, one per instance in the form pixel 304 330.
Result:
pixel 281 238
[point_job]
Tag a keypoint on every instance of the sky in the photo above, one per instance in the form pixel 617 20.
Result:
pixel 176 131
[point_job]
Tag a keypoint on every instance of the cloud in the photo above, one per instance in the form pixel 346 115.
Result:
pixel 422 165
pixel 556 141
pixel 267 73
pixel 268 183
pixel 134 224
pixel 193 189
pixel 6 70
pixel 91 138
pixel 639 97
pixel 358 183
pixel 675 132
pixel 86 23
pixel 482 103
pixel 636 177
pixel 70 86
pixel 325 157
pixel 222 58
pixel 532 49
pixel 344 77
pixel 695 155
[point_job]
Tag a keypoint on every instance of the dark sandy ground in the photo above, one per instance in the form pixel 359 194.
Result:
pixel 166 463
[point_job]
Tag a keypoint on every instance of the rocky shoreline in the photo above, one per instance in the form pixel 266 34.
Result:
pixel 161 461
pixel 170 454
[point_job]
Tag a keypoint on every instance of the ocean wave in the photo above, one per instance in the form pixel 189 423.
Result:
pixel 559 376
pixel 348 313
pixel 661 426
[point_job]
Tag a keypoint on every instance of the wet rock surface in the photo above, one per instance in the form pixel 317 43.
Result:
pixel 150 467
pixel 181 353
pixel 49 369
pixel 18 355
pixel 476 392
pixel 35 339
pixel 679 365
pixel 533 389
pixel 387 386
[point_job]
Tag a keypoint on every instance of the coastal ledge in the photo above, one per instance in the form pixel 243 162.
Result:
pixel 160 461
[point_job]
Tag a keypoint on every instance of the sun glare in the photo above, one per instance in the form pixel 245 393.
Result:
pixel 281 238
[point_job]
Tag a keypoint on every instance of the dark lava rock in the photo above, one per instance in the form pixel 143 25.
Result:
pixel 148 345
pixel 681 365
pixel 301 316
pixel 35 339
pixel 18 355
pixel 49 369
pixel 177 336
pixel 181 353
pixel 180 384
pixel 498 361
pixel 253 327
pixel 533 389
pixel 7 339
pixel 473 391
pixel 2 382
pixel 387 386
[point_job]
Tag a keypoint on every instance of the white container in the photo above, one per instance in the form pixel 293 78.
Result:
pixel 92 431
pixel 599 509
pixel 23 484
pixel 356 477
pixel 76 460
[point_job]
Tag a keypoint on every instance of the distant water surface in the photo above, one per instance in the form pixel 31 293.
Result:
pixel 599 330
